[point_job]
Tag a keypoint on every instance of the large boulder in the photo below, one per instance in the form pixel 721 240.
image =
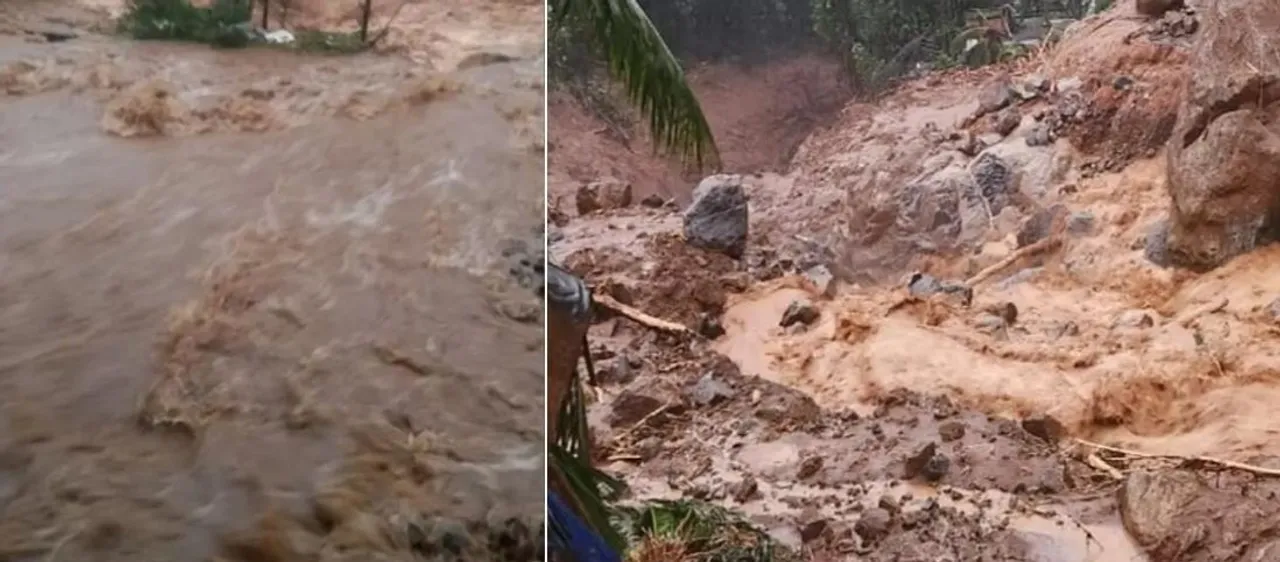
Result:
pixel 1224 155
pixel 717 219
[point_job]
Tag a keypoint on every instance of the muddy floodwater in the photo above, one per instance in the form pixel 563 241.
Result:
pixel 294 341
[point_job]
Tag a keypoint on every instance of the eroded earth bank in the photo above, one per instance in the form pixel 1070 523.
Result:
pixel 258 305
pixel 1020 313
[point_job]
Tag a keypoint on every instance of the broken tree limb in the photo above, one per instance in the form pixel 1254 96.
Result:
pixel 1208 460
pixel 1207 308
pixel 639 316
pixel 1096 462
pixel 1046 245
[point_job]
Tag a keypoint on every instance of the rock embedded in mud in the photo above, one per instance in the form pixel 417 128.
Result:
pixel 1133 319
pixel 994 180
pixel 927 464
pixel 1007 121
pixel 951 431
pixel 1224 155
pixel 718 218
pixel 873 525
pixel 1157 8
pixel 709 391
pixel 631 407
pixel 1042 224
pixel 1045 427
pixel 995 95
pixel 745 490
pixel 1080 223
pixel 800 311
pixel 821 279
pixel 709 326
pixel 809 467
pixel 653 201
pixel 603 195
pixel 814 527
pixel 1040 134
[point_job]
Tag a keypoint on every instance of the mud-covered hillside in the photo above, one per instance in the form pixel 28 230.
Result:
pixel 1017 313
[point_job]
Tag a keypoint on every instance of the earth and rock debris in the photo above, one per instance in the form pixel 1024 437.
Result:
pixel 1048 331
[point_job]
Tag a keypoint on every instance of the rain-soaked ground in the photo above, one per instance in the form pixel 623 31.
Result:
pixel 300 341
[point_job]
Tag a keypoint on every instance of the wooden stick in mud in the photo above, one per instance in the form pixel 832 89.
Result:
pixel 640 317
pixel 1046 245
pixel 1206 308
pixel 1210 460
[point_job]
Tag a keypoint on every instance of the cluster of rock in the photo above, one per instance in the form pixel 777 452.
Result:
pixel 1224 157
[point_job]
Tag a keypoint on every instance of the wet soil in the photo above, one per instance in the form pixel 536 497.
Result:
pixel 818 430
pixel 296 342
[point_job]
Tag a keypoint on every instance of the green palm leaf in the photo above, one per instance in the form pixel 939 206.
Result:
pixel 650 73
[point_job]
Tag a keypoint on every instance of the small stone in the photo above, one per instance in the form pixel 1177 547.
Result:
pixel 873 525
pixel 1068 85
pixel 988 323
pixel 809 467
pixel 800 311
pixel 629 408
pixel 603 195
pixel 1045 427
pixel 1081 223
pixel 995 95
pixel 820 277
pixel 1039 135
pixel 814 529
pixel 1273 309
pixel 710 327
pixel 951 431
pixel 1133 319
pixel 653 201
pixel 709 391
pixel 927 464
pixel 1007 311
pixel 889 504
pixel 1122 83
pixel 1007 121
pixel 745 490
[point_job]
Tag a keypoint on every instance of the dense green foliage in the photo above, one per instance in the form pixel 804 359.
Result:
pixel 225 23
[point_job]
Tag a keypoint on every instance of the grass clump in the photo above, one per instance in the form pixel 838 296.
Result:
pixel 224 24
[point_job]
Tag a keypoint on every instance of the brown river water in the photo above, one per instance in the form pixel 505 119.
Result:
pixel 291 341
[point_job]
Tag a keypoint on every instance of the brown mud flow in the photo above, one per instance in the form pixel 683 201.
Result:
pixel 865 413
pixel 279 321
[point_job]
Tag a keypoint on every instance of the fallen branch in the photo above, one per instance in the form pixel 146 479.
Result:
pixel 639 316
pixel 1207 308
pixel 1208 460
pixel 1046 245
pixel 1096 462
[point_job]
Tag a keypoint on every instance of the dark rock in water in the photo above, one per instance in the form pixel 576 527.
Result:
pixel 1156 244
pixel 927 464
pixel 1041 225
pixel 800 311
pixel 922 285
pixel 718 217
pixel 710 327
pixel 439 535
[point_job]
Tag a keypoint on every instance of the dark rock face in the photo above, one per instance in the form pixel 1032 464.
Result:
pixel 718 218
pixel 1224 157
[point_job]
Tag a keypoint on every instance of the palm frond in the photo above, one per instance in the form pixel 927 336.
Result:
pixel 652 76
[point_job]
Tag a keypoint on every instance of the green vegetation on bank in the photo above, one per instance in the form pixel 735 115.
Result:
pixel 225 24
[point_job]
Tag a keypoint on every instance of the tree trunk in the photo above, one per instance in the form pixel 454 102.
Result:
pixel 366 12
pixel 266 10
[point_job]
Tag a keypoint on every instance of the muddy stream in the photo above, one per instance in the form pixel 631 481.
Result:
pixel 293 342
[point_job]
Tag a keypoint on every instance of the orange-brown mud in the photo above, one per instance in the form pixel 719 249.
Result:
pixel 279 323
pixel 897 428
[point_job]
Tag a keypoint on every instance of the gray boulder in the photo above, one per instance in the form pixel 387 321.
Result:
pixel 718 218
